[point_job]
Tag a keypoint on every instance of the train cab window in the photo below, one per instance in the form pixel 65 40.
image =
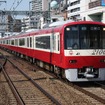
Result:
pixel 90 37
pixel 94 37
pixel 103 37
pixel 8 41
pixel 71 37
pixel 84 36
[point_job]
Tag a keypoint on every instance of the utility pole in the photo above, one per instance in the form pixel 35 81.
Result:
pixel 2 17
pixel 49 14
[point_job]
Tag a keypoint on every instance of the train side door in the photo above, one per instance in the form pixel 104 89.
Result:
pixel 55 46
pixel 52 47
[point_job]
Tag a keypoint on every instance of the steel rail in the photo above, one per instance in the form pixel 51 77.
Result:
pixel 87 93
pixel 13 88
pixel 36 85
pixel 71 84
pixel 101 85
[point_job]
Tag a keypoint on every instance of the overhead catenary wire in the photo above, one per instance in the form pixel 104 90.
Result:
pixel 12 4
pixel 18 3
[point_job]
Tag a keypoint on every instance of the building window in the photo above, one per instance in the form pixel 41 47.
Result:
pixel 75 9
pixel 75 3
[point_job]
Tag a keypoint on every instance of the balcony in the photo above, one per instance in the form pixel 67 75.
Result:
pixel 95 4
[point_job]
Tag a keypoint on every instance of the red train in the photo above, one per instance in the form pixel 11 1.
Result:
pixel 75 50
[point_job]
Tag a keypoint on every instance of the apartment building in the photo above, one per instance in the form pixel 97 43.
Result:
pixel 40 5
pixel 96 10
pixel 74 9
pixel 91 10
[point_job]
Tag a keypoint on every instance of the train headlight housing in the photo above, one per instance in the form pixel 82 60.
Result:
pixel 73 61
pixel 89 70
pixel 102 60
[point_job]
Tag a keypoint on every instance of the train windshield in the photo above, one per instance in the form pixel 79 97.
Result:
pixel 84 37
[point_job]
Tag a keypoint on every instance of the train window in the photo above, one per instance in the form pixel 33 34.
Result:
pixel 58 43
pixel 43 42
pixel 16 41
pixel 22 42
pixel 30 41
pixel 54 42
pixel 6 41
pixel 3 41
pixel 71 37
pixel 103 38
pixel 91 37
pixel 84 37
pixel 12 42
pixel 94 37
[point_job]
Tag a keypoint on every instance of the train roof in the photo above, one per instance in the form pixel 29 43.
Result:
pixel 59 23
pixel 70 22
pixel 57 26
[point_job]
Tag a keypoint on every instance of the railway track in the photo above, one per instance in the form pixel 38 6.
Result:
pixel 95 90
pixel 64 93
pixel 98 90
pixel 18 89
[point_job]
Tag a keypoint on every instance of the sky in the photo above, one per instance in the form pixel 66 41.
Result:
pixel 24 5
pixel 10 4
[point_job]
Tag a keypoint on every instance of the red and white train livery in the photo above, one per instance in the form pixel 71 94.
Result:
pixel 75 50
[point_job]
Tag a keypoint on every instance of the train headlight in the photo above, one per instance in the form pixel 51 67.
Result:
pixel 102 60
pixel 88 69
pixel 73 61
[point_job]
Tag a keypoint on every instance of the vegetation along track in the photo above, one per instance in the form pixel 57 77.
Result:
pixel 65 94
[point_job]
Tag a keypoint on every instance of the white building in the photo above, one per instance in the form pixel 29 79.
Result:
pixel 30 23
pixel 40 5
pixel 91 10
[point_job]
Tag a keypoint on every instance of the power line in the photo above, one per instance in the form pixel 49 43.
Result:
pixel 13 4
pixel 2 2
pixel 18 3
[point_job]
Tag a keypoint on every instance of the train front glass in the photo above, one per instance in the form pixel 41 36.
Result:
pixel 86 36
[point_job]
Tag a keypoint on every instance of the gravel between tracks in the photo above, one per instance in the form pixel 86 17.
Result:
pixel 64 93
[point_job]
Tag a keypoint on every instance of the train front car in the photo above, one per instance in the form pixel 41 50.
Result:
pixel 84 51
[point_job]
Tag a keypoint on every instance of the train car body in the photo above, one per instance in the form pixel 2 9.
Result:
pixel 75 50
